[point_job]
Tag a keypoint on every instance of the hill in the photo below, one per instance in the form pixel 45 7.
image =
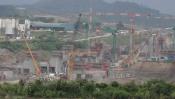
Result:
pixel 77 6
pixel 12 11
pixel 70 8
pixel 7 10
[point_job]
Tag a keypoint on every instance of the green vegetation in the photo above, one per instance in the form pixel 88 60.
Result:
pixel 12 46
pixel 89 90
pixel 47 45
pixel 122 39
pixel 48 41
pixel 109 30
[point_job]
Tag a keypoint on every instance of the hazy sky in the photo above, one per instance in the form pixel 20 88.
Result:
pixel 17 1
pixel 165 6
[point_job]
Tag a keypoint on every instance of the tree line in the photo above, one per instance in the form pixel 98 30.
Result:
pixel 83 89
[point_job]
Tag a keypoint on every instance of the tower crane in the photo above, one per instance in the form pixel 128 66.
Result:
pixel 132 30
pixel 71 53
pixel 132 17
pixel 173 37
pixel 114 41
pixel 35 64
pixel 34 61
pixel 77 27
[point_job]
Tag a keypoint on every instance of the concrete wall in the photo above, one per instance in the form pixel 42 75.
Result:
pixel 96 75
pixel 27 64
pixel 6 75
pixel 56 62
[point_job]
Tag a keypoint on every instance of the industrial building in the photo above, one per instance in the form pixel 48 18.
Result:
pixel 8 26
pixel 11 28
pixel 15 28
pixel 52 26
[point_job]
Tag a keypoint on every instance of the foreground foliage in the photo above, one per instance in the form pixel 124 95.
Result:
pixel 89 90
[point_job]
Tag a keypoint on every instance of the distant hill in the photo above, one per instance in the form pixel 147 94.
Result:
pixel 77 6
pixel 68 8
pixel 7 10
pixel 12 11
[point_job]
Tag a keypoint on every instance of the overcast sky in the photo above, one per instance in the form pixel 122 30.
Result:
pixel 165 6
pixel 17 1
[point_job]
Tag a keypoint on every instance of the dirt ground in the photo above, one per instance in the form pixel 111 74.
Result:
pixel 154 70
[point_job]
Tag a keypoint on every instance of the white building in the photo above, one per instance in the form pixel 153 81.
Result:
pixel 8 27
pixel 13 28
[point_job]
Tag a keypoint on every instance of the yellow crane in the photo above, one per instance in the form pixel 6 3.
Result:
pixel 71 60
pixel 35 63
pixel 70 64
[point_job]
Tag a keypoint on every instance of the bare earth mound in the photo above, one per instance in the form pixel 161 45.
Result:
pixel 154 70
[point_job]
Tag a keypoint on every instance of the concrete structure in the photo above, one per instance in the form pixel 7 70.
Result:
pixel 11 27
pixel 8 26
pixel 52 26
pixel 6 75
pixel 26 67
pixel 95 75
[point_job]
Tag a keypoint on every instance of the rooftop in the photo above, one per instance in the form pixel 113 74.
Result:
pixel 66 26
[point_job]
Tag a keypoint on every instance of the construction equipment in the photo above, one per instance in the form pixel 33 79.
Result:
pixel 114 47
pixel 113 34
pixel 72 61
pixel 127 60
pixel 71 53
pixel 70 64
pixel 173 37
pixel 132 17
pixel 36 65
pixel 77 27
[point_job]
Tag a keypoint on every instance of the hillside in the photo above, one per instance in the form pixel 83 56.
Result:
pixel 71 8
pixel 7 10
pixel 12 11
pixel 77 6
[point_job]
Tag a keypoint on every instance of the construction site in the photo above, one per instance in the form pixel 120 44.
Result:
pixel 125 53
